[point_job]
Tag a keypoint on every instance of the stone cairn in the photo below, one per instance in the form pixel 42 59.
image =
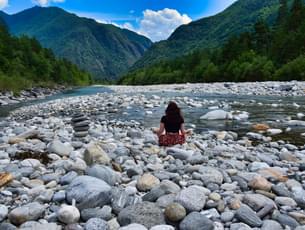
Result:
pixel 80 125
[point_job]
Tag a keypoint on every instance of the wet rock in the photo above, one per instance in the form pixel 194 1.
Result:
pixel 216 115
pixel 89 192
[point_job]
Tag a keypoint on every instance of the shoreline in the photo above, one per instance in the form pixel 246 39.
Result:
pixel 36 93
pixel 118 175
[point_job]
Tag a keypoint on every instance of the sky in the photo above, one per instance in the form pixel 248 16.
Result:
pixel 156 19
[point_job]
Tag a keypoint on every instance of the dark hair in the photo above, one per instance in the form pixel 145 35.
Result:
pixel 173 112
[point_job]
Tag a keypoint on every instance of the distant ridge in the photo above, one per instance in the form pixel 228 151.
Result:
pixel 103 50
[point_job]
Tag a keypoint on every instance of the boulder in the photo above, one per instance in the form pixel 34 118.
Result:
pixel 88 192
pixel 94 154
pixel 146 213
pixel 31 211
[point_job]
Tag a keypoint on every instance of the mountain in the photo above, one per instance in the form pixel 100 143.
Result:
pixel 101 49
pixel 265 53
pixel 212 31
pixel 24 63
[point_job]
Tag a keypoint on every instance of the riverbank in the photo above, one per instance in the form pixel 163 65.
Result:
pixel 121 179
pixel 293 88
pixel 9 98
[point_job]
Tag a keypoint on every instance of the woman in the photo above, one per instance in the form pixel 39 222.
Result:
pixel 173 125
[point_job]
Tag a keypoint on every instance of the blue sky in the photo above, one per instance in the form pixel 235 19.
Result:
pixel 155 19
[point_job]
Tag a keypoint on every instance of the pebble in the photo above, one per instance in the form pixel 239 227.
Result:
pixel 175 212
pixel 120 177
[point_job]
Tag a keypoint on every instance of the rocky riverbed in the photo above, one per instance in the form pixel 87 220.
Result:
pixel 117 177
pixel 8 98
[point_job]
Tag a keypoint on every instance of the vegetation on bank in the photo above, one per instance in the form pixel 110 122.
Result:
pixel 25 64
pixel 276 53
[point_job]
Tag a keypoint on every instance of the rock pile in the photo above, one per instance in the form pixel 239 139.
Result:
pixel 80 125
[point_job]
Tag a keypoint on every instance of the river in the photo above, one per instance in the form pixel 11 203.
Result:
pixel 272 110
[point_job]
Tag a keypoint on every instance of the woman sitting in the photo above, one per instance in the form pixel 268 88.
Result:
pixel 173 125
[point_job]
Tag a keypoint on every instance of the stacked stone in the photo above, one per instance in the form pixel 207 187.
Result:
pixel 80 125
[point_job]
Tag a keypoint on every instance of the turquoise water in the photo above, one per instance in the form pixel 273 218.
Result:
pixel 264 112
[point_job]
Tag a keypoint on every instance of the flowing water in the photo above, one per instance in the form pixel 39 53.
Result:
pixel 272 110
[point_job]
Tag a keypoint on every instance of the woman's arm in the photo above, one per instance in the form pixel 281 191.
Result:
pixel 182 129
pixel 185 132
pixel 160 131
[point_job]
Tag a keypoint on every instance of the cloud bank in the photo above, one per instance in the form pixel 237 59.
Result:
pixel 3 4
pixel 45 2
pixel 159 25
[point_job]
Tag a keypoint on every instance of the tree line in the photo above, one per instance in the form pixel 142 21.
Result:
pixel 266 53
pixel 24 63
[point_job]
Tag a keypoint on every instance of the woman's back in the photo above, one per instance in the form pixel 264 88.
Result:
pixel 172 124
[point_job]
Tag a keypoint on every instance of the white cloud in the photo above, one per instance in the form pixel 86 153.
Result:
pixel 159 25
pixel 45 2
pixel 3 4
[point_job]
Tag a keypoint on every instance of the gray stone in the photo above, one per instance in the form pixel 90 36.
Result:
pixel 68 214
pixel 175 212
pixel 102 213
pixel 270 225
pixel 285 201
pixel 94 154
pixel 31 211
pixel 257 201
pixel 240 226
pixel 285 219
pixel 281 190
pixel 299 196
pixel 169 187
pixel 146 213
pixel 180 153
pixel 104 173
pixel 211 175
pixel 133 227
pixel 3 212
pixel 227 216
pixel 248 216
pixel 7 226
pixel 32 225
pixel 196 221
pixel 96 224
pixel 192 198
pixel 60 148
pixel 68 178
pixel 163 227
pixel 89 192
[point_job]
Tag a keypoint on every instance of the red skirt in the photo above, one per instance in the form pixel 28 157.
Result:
pixel 170 139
